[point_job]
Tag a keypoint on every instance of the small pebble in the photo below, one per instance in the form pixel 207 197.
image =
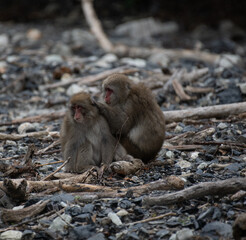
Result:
pixel 169 154
pixel 194 155
pixel 222 126
pixel 11 143
pixel 114 218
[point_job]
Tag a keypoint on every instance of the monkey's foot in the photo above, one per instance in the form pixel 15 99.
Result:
pixel 127 167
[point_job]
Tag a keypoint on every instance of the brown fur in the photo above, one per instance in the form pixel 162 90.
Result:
pixel 134 115
pixel 88 142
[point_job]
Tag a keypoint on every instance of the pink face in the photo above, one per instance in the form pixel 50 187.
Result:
pixel 78 112
pixel 107 95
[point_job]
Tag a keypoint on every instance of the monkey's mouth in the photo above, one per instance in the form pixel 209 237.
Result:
pixel 108 94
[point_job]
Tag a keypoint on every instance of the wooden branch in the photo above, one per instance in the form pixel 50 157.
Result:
pixel 95 25
pixel 9 215
pixel 74 184
pixel 38 118
pixel 228 186
pixel 16 137
pixel 217 111
pixel 91 78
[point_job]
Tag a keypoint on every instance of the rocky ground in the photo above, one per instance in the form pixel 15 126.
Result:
pixel 35 56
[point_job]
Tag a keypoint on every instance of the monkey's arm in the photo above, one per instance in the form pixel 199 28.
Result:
pixel 117 119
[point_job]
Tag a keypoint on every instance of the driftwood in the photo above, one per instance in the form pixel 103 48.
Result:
pixel 38 118
pixel 217 111
pixel 122 50
pixel 9 215
pixel 38 135
pixel 91 78
pixel 228 186
pixel 73 185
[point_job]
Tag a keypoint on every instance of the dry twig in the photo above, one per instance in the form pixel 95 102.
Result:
pixel 200 190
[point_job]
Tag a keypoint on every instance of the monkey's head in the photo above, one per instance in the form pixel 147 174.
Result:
pixel 82 107
pixel 116 89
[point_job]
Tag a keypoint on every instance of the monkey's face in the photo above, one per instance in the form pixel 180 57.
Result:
pixel 115 92
pixel 82 108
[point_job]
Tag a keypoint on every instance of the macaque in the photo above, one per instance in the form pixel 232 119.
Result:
pixel 133 115
pixel 86 138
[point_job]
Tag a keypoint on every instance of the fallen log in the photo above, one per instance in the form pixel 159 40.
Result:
pixel 91 78
pixel 228 186
pixel 217 111
pixel 74 184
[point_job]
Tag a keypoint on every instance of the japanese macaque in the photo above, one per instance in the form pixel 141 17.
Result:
pixel 86 138
pixel 134 116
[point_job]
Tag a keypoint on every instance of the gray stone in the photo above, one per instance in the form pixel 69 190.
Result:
pixel 222 126
pixel 183 164
pixel 54 58
pixel 218 228
pixel 4 40
pixel 184 234
pixel 59 224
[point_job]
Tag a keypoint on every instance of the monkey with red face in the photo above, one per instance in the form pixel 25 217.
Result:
pixel 86 138
pixel 133 116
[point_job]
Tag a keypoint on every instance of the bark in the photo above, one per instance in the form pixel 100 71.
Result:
pixel 200 190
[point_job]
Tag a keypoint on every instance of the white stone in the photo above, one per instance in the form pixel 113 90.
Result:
pixel 178 129
pixel 222 126
pixel 54 58
pixel 228 60
pixel 202 165
pixel 73 89
pixel 122 213
pixel 160 58
pixel 4 40
pixel 12 58
pixel 11 143
pixel 34 34
pixel 136 62
pixel 194 155
pixel 24 127
pixel 11 235
pixel 114 218
pixel 242 87
pixel 184 234
pixel 183 164
pixel 109 58
pixel 18 207
pixel 169 154
pixel 59 224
